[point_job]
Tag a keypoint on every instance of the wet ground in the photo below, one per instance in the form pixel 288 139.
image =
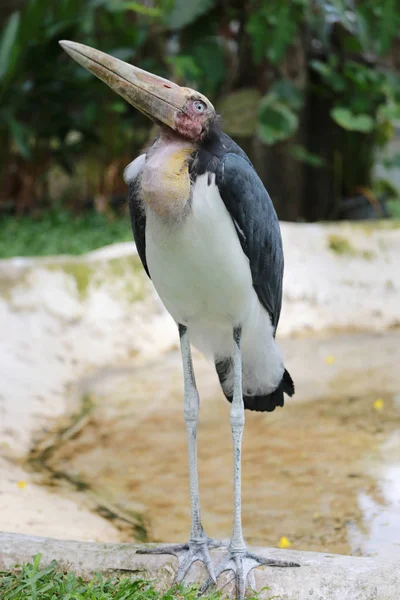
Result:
pixel 324 471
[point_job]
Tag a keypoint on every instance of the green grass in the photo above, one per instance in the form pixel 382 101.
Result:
pixel 59 232
pixel 31 582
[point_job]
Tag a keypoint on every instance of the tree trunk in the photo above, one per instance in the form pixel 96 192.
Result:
pixel 320 196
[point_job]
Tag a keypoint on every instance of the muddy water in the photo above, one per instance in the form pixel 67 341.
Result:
pixel 323 472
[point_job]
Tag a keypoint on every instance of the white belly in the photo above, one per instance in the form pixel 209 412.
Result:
pixel 198 267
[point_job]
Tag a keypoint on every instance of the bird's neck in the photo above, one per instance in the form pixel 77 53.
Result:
pixel 166 180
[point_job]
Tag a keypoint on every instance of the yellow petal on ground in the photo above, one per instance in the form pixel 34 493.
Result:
pixel 284 543
pixel 378 404
pixel 329 359
pixel 21 484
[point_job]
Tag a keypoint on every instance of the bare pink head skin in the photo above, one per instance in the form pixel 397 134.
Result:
pixel 180 110
pixel 194 120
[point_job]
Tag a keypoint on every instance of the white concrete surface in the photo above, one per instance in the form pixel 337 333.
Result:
pixel 62 318
pixel 320 576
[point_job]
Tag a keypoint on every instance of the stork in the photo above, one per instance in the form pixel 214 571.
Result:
pixel 208 236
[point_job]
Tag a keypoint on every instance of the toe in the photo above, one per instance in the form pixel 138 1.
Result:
pixel 251 581
pixel 209 565
pixel 240 578
pixel 271 562
pixel 183 568
pixel 171 549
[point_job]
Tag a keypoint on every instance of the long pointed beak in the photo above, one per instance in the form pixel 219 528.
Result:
pixel 157 98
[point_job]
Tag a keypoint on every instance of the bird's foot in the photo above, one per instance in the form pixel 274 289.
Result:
pixel 242 564
pixel 187 554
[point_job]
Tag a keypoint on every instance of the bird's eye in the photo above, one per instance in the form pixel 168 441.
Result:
pixel 199 106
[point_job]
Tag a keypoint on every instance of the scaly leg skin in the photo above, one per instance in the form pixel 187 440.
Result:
pixel 239 559
pixel 197 548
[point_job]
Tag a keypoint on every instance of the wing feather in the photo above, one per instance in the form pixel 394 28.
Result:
pixel 257 226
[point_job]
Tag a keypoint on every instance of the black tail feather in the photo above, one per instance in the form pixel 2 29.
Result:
pixel 262 402
pixel 268 402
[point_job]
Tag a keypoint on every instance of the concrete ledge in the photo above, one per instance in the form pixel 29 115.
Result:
pixel 321 576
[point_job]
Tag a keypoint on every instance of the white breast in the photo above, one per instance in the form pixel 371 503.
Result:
pixel 199 268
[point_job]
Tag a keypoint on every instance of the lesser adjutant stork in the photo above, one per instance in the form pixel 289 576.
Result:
pixel 208 236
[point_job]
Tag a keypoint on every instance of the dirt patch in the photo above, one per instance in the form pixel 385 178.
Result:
pixel 305 466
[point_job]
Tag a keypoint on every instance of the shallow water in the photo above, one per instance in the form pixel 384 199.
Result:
pixel 324 471
pixel 379 532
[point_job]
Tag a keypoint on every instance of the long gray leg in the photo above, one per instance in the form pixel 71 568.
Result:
pixel 197 547
pixel 237 419
pixel 191 414
pixel 238 558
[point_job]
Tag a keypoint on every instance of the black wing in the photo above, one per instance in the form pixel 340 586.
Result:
pixel 138 219
pixel 257 226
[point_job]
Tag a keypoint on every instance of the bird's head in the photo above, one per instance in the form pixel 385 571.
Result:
pixel 177 109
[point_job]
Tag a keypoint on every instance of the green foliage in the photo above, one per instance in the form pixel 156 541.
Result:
pixel 277 121
pixel 273 26
pixel 301 154
pixel 365 99
pixel 52 112
pixel 184 13
pixel 60 232
pixel 394 208
pixel 31 582
pixel 360 92
pixel 327 71
pixel 348 120
pixel 278 112
pixel 367 26
pixel 381 22
pixel 122 6
pixel 392 162
pixel 201 65
pixel 44 95
pixel 7 43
